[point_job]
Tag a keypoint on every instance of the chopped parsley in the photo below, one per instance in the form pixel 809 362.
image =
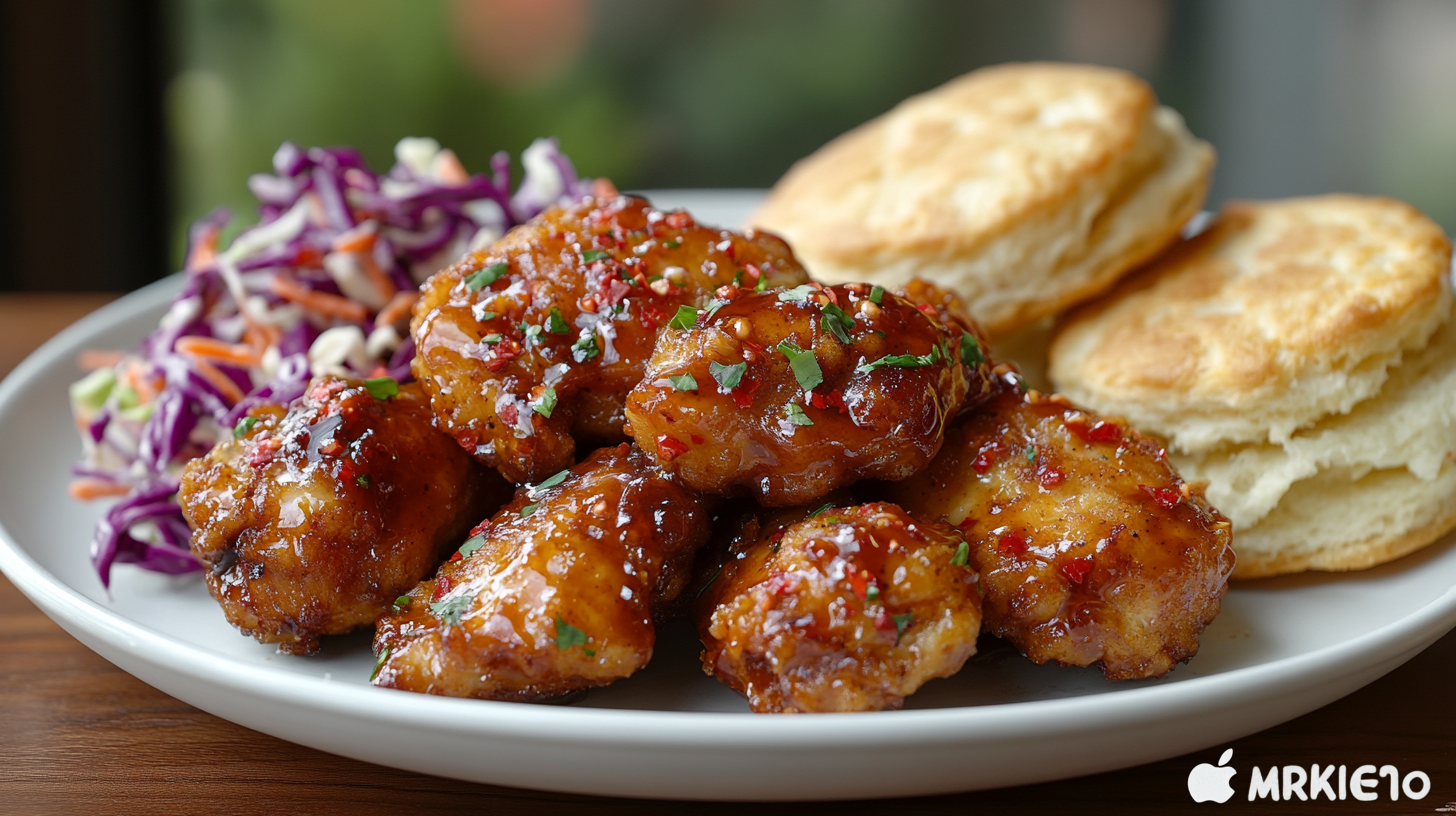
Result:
pixel 488 315
pixel 595 255
pixel 568 635
pixel 728 376
pixel 450 610
pixel 403 602
pixel 1030 454
pixel 244 425
pixel 363 481
pixel 797 415
pixel 546 403
pixel 585 347
pixel 821 509
pixel 381 388
pixel 532 332
pixel 379 662
pixel 686 318
pixel 528 510
pixel 486 276
pixel 872 592
pixel 713 306
pixel 684 382
pixel 737 277
pixel 540 489
pixel 902 622
pixel 711 579
pixel 836 322
pixel 672 244
pixel 804 363
pixel 877 294
pixel 471 544
pixel 798 294
pixel 905 360
pixel 762 283
pixel 491 339
pixel 555 323
pixel 962 555
pixel 971 353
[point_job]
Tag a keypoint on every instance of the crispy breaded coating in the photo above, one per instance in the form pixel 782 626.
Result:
pixel 321 514
pixel 554 594
pixel 849 609
pixel 1090 548
pixel 790 394
pixel 530 345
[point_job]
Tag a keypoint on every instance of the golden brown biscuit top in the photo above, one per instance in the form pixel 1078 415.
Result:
pixel 950 168
pixel 1272 293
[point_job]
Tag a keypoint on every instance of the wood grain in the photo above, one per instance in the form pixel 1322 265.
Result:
pixel 78 735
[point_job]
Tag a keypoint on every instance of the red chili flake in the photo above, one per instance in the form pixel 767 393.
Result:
pixel 1011 543
pixel 782 583
pixel 612 289
pixel 966 525
pixel 456 556
pixel 859 585
pixel 309 256
pixel 324 389
pixel 333 447
pixel 743 394
pixel 1076 569
pixel 479 529
pixel 1166 497
pixel 927 308
pixel 510 414
pixel 833 297
pixel 669 448
pixel 834 399
pixel 696 440
pixel 263 451
pixel 883 622
pixel 731 250
pixel 502 354
pixel 588 305
pixel 988 456
pixel 751 351
pixel 1052 477
pixel 442 586
pixel 1101 432
pixel 679 220
pixel 750 277
pixel 652 317
pixel 607 241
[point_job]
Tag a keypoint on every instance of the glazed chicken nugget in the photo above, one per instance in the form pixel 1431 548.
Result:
pixel 1091 549
pixel 533 344
pixel 788 395
pixel 554 594
pixel 317 516
pixel 849 609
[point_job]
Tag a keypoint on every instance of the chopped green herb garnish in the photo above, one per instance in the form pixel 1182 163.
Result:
pixel 711 579
pixel 821 509
pixel 568 635
pixel 486 276
pixel 532 332
pixel 450 610
pixel 379 662
pixel 877 295
pixel 585 347
pixel 244 425
pixel 1030 453
pixel 403 601
pixel 684 382
pixel 672 244
pixel 540 489
pixel 798 294
pixel 762 283
pixel 588 652
pixel 686 318
pixel 471 544
pixel 737 277
pixel 728 376
pixel 595 255
pixel 836 322
pixel 804 363
pixel 491 339
pixel 546 403
pixel 971 353
pixel 962 555
pixel 904 360
pixel 872 592
pixel 528 510
pixel 363 481
pixel 902 622
pixel 713 306
pixel 797 415
pixel 555 323
pixel 381 388
pixel 488 315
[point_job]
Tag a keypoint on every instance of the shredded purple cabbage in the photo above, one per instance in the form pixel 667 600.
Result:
pixel 423 215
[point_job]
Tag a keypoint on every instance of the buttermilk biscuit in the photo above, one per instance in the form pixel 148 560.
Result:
pixel 1352 490
pixel 1279 314
pixel 1025 188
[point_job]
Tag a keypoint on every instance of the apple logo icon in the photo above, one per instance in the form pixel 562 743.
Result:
pixel 1208 783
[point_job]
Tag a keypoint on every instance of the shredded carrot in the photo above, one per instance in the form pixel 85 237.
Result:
pixel 87 489
pixel 397 309
pixel 223 382
pixel 381 281
pixel 261 336
pixel 205 250
pixel 320 302
pixel 92 359
pixel 218 350
pixel 132 375
pixel 358 239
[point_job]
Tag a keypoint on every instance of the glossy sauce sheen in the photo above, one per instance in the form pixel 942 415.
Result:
pixel 561 593
pixel 1090 547
pixel 321 515
pixel 616 273
pixel 800 614
pixel 782 442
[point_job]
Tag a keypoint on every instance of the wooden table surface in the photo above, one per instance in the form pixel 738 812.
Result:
pixel 78 735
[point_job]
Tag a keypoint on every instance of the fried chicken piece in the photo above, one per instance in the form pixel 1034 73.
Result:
pixel 849 609
pixel 1090 547
pixel 792 394
pixel 533 344
pixel 556 592
pixel 319 515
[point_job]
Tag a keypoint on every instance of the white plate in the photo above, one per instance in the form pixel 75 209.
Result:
pixel 1279 649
